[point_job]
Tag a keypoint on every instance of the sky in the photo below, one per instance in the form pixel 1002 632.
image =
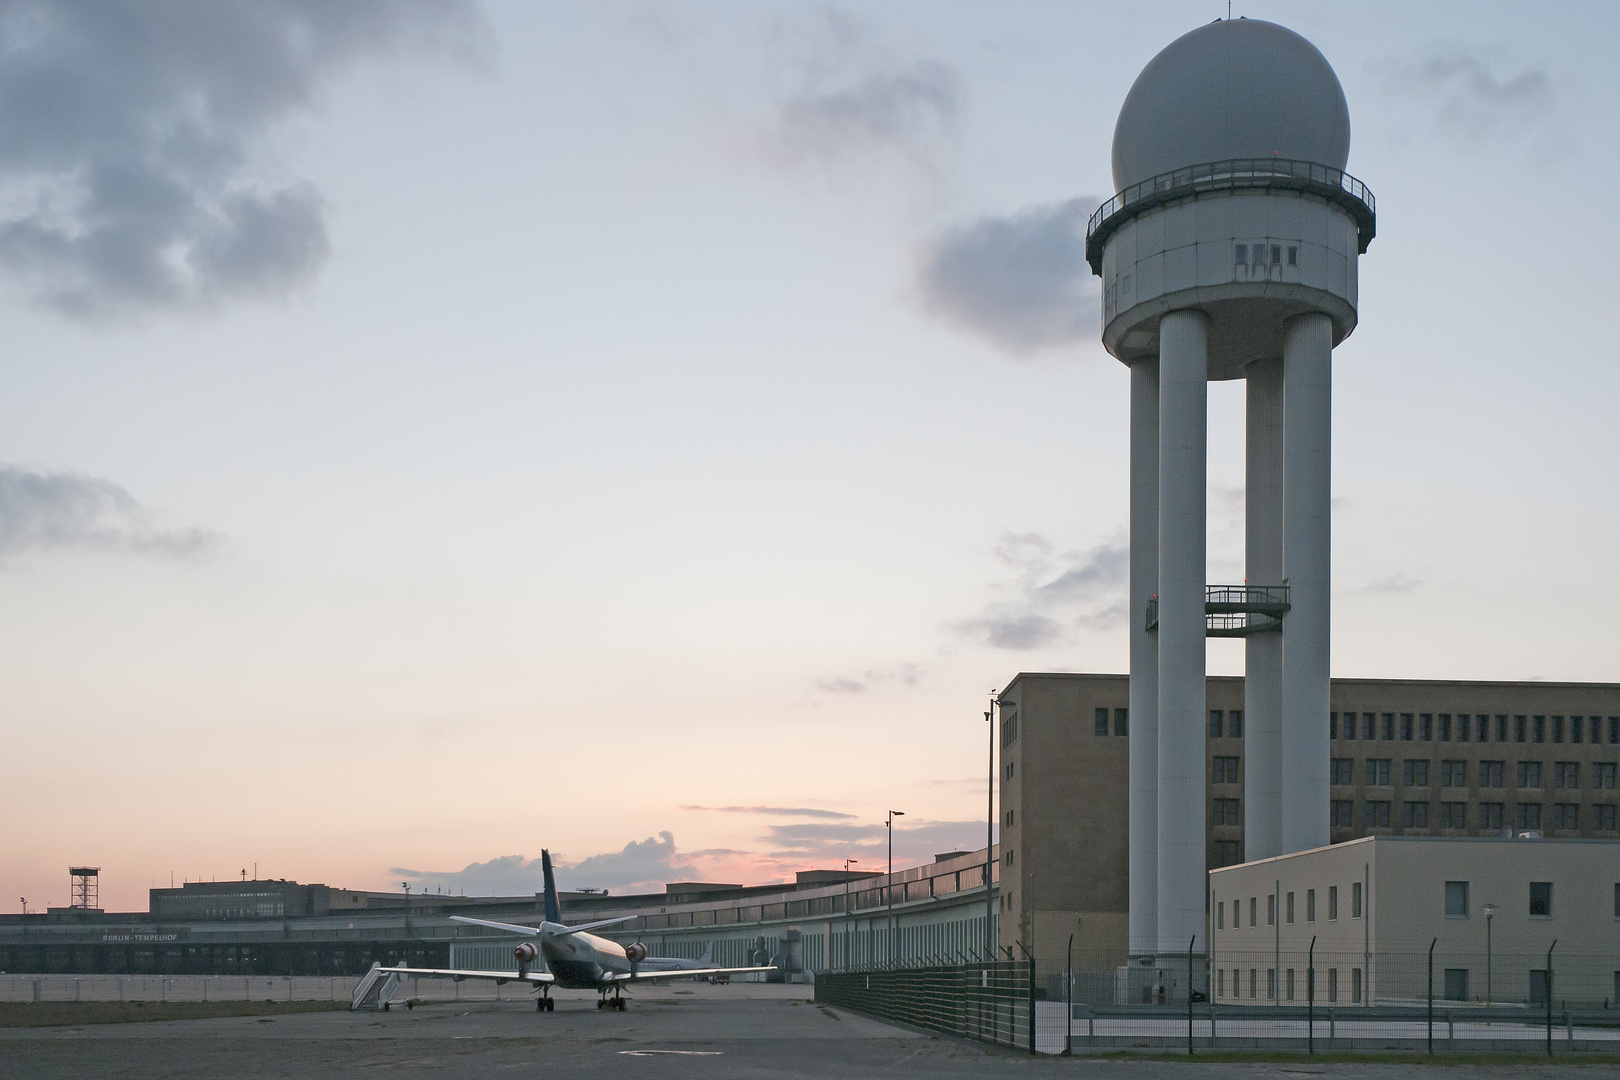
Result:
pixel 435 431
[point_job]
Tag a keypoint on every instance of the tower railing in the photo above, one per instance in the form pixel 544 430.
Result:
pixel 1235 174
pixel 1236 610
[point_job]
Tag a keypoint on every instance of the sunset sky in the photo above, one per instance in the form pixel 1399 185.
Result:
pixel 431 432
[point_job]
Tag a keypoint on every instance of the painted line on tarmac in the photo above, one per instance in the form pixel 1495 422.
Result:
pixel 674 1053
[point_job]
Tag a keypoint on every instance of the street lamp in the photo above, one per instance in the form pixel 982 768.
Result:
pixel 849 917
pixel 1490 910
pixel 889 884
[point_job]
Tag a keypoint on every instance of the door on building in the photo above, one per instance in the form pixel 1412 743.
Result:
pixel 1456 984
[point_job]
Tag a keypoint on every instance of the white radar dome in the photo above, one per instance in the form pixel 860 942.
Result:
pixel 1238 88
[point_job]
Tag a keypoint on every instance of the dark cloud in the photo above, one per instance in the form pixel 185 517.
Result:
pixel 51 511
pixel 1052 594
pixel 1466 100
pixel 643 866
pixel 1020 281
pixel 132 140
pixel 782 811
pixel 906 109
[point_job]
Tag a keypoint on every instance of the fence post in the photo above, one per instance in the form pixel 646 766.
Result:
pixel 1193 941
pixel 1310 999
pixel 1031 1006
pixel 1431 994
pixel 1547 980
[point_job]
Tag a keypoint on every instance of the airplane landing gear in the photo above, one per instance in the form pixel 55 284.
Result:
pixel 611 1003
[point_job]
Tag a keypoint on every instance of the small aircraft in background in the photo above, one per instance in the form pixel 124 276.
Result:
pixel 574 958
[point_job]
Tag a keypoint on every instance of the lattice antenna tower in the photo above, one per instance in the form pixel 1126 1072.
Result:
pixel 84 889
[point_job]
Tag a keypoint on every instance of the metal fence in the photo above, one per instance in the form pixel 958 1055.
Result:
pixel 991 1002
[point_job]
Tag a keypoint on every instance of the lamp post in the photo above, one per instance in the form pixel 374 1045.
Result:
pixel 1490 910
pixel 888 886
pixel 849 917
pixel 990 831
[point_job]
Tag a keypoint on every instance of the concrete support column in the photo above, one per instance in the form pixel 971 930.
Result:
pixel 1183 430
pixel 1144 697
pixel 1307 558
pixel 1263 653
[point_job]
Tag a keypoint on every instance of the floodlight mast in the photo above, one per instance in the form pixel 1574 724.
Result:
pixel 1229 252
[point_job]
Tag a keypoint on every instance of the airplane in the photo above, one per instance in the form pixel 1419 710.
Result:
pixel 575 959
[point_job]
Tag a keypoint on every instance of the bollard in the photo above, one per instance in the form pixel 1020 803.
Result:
pixel 36 991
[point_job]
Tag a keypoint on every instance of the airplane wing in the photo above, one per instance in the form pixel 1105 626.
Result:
pixel 535 978
pixel 511 928
pixel 582 927
pixel 682 973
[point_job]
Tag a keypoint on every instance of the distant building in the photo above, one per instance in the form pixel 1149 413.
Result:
pixel 229 901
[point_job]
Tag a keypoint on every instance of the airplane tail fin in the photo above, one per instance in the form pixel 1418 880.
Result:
pixel 553 908
pixel 707 959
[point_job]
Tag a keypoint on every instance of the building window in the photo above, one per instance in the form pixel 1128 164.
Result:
pixel 1220 982
pixel 1566 815
pixel 1453 815
pixel 1529 775
pixel 1009 819
pixel 1415 815
pixel 1445 727
pixel 1341 814
pixel 1376 815
pixel 1490 773
pixel 1377 772
pixel 1566 774
pixel 1501 729
pixel 1333 985
pixel 1558 729
pixel 1527 816
pixel 1355 986
pixel 1293 255
pixel 1426 727
pixel 1603 775
pixel 1226 770
pixel 1333 725
pixel 1415 773
pixel 1228 852
pixel 1406 727
pixel 1462 727
pixel 1220 915
pixel 1217 724
pixel 1342 771
pixel 1614 729
pixel 1333 902
pixel 1240 255
pixel 1387 727
pixel 1456 899
pixel 1290 908
pixel 1271 910
pixel 1456 984
pixel 1234 724
pixel 1310 905
pixel 1271 984
pixel 1226 812
pixel 1603 817
pixel 1276 254
pixel 1290 984
pixel 1490 815
pixel 1367 719
pixel 1539 727
pixel 1454 774
pixel 1540 986
pixel 1254 983
pixel 1541 900
pixel 1100 728
pixel 1355 900
pixel 1518 728
pixel 1251 910
pixel 1122 719
pixel 1575 726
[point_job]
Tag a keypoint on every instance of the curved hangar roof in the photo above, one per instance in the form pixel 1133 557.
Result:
pixel 1237 88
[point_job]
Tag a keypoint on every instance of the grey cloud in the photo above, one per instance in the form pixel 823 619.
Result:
pixel 1052 594
pixel 905 674
pixel 133 170
pixel 905 108
pixel 1020 282
pixel 50 511
pixel 1401 581
pixel 644 865
pixel 783 811
pixel 869 843
pixel 1467 100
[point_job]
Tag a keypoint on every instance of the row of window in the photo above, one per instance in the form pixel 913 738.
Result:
pixel 1271 984
pixel 1472 727
pixel 1376 772
pixel 1377 814
pixel 1289 907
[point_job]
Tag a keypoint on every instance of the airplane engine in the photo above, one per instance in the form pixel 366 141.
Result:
pixel 526 953
pixel 635 952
